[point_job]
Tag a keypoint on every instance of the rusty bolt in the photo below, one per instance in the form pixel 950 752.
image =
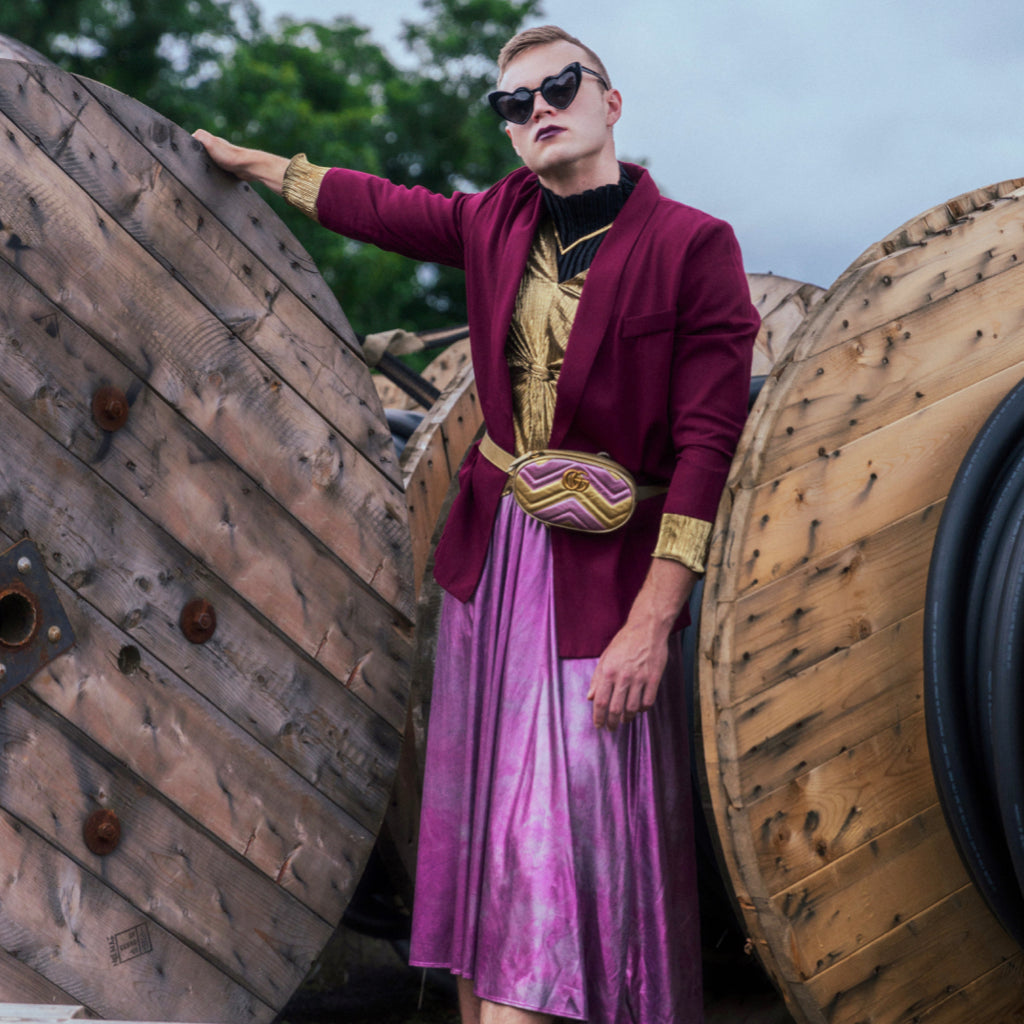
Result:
pixel 198 621
pixel 110 408
pixel 53 634
pixel 3 672
pixel 24 566
pixel 102 832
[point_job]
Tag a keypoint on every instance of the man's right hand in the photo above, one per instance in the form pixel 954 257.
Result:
pixel 247 164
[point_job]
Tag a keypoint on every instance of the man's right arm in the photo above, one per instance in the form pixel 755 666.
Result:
pixel 247 164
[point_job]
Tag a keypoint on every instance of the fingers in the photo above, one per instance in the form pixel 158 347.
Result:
pixel 616 701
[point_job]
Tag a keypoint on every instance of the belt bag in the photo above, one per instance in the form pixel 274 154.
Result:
pixel 573 490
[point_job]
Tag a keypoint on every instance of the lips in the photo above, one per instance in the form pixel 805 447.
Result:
pixel 547 132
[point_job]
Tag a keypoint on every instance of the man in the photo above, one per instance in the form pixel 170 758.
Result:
pixel 556 871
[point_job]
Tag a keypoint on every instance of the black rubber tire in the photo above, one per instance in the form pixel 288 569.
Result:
pixel 968 800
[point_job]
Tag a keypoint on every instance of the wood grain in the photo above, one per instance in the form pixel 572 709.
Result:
pixel 810 668
pixel 250 773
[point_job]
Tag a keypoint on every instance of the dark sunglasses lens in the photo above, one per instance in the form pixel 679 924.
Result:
pixel 515 106
pixel 560 90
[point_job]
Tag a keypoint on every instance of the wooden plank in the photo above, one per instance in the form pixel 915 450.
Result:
pixel 201 761
pixel 179 480
pixel 860 897
pixel 84 938
pixel 18 978
pixel 838 806
pixel 892 472
pixel 12 1013
pixel 916 966
pixel 257 814
pixel 431 460
pixel 945 262
pixel 424 455
pixel 232 203
pixel 876 378
pixel 776 734
pixel 939 220
pixel 997 997
pixel 242 921
pixel 831 604
pixel 125 178
pixel 141 579
pixel 192 360
pixel 783 304
pixel 461 418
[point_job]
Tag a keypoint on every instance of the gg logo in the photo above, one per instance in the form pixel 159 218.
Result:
pixel 575 480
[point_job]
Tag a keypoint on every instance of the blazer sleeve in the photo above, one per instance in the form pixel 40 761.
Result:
pixel 709 390
pixel 414 222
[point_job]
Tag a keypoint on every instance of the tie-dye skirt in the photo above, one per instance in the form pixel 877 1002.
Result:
pixel 556 861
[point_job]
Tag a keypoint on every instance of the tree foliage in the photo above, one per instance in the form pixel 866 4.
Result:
pixel 326 89
pixel 153 50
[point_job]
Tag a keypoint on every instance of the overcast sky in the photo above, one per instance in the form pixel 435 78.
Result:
pixel 814 126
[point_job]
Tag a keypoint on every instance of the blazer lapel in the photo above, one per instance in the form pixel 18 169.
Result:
pixel 489 360
pixel 597 300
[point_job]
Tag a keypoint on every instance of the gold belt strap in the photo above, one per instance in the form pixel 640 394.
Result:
pixel 497 456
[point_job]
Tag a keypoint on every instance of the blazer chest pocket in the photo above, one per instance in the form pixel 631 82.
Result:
pixel 649 324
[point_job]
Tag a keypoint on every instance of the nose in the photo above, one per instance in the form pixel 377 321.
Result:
pixel 541 107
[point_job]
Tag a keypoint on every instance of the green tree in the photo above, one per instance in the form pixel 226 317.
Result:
pixel 153 50
pixel 330 91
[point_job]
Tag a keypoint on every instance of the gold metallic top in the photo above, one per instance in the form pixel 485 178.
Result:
pixel 302 184
pixel 537 341
pixel 535 350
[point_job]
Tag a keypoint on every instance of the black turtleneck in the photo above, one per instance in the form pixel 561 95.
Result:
pixel 579 215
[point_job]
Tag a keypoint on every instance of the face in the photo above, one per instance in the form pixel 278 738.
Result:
pixel 568 149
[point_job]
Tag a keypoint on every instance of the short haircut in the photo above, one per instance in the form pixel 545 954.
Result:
pixel 539 36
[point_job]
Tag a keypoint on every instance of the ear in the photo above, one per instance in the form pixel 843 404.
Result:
pixel 613 106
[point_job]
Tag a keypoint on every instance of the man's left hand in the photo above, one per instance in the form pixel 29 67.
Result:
pixel 629 671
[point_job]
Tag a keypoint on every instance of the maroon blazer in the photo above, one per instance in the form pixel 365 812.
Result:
pixel 656 372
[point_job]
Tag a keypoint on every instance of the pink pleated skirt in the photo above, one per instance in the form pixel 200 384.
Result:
pixel 556 861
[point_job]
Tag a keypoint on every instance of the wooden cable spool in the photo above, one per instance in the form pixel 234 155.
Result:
pixel 194 447
pixel 818 768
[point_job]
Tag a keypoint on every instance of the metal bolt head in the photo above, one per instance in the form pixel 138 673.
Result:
pixel 24 565
pixel 110 408
pixel 53 634
pixel 3 671
pixel 102 831
pixel 198 621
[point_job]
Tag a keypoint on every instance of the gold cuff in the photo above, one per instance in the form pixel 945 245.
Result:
pixel 302 184
pixel 684 539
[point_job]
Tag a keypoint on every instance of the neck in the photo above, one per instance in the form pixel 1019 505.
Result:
pixel 579 177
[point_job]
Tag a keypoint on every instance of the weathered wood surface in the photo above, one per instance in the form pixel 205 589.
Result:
pixel 32 1013
pixel 783 303
pixel 810 675
pixel 14 49
pixel 250 773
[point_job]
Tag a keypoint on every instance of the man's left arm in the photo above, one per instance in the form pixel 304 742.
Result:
pixel 711 380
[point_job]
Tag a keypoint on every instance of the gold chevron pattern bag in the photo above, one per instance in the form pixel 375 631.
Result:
pixel 573 490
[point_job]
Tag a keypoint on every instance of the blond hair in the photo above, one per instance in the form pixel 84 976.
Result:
pixel 540 36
